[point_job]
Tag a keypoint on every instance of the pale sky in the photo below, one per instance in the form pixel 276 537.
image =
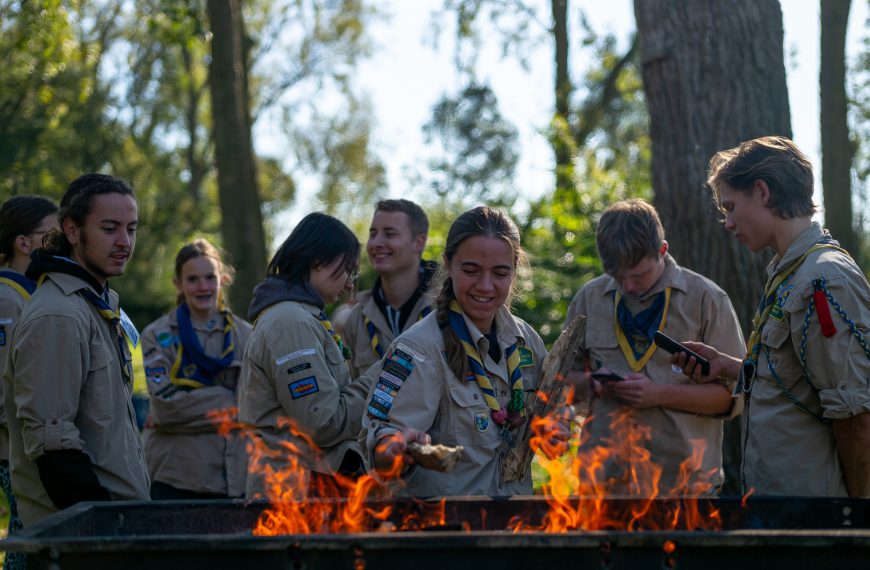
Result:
pixel 405 77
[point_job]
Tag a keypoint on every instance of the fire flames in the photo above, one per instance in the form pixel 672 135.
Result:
pixel 576 489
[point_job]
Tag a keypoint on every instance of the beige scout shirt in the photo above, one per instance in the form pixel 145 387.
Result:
pixel 11 304
pixel 785 450
pixel 452 410
pixel 294 369
pixel 356 333
pixel 699 310
pixel 183 449
pixel 64 389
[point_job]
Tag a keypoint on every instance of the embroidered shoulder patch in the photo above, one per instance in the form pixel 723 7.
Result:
pixel 155 374
pixel 164 339
pixel 526 357
pixel 394 371
pixel 303 387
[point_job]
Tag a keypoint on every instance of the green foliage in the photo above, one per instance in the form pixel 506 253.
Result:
pixel 479 147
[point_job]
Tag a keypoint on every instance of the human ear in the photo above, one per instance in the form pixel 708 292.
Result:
pixel 763 191
pixel 71 230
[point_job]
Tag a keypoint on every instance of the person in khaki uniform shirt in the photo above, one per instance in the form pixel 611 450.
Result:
pixel 404 290
pixel 460 376
pixel 192 358
pixel 804 378
pixel 69 379
pixel 295 364
pixel 645 290
pixel 24 220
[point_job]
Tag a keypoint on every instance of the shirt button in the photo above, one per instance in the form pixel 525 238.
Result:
pixel 504 392
pixel 54 422
pixel 475 396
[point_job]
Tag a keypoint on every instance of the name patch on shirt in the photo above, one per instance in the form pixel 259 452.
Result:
pixel 303 387
pixel 299 368
pixel 297 354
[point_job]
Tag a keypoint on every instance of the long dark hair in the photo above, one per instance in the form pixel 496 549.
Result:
pixel 480 221
pixel 318 240
pixel 77 203
pixel 21 216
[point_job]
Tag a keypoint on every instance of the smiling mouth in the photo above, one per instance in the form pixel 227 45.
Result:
pixel 477 299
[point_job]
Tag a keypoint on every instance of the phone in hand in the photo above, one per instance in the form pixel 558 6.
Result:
pixel 607 377
pixel 665 342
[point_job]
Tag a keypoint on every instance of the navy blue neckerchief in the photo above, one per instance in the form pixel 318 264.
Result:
pixel 28 285
pixel 195 364
pixel 642 325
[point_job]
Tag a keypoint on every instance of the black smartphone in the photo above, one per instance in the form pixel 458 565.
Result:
pixel 607 377
pixel 667 343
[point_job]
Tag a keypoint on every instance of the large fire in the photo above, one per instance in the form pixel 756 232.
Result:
pixel 575 488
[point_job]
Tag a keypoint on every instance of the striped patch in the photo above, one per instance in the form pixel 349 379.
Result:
pixel 304 387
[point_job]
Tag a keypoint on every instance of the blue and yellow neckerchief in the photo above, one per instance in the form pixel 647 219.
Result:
pixel 18 282
pixel 374 340
pixel 114 319
pixel 192 366
pixel 516 409
pixel 644 325
pixel 327 324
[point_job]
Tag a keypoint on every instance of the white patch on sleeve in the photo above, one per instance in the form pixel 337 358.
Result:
pixel 297 354
pixel 6 321
pixel 405 348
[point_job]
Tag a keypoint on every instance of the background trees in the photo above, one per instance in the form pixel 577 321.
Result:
pixel 123 87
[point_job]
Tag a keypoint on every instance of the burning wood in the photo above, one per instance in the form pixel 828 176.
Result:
pixel 436 457
pixel 548 400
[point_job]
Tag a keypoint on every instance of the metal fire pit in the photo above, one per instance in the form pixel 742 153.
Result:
pixel 766 532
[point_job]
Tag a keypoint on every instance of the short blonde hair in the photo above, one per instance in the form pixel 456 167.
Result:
pixel 628 232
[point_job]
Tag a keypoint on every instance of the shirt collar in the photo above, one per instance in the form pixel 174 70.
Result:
pixel 801 243
pixel 671 277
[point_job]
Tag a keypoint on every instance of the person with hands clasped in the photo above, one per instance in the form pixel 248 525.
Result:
pixel 644 290
pixel 804 377
pixel 462 375
pixel 192 358
pixel 295 364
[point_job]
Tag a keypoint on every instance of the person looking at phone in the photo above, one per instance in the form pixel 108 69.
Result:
pixel 645 290
pixel 804 374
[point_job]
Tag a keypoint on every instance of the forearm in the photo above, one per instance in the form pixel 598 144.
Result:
pixel 853 447
pixel 706 399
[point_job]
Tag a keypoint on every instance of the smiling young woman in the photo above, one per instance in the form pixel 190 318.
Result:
pixel 192 359
pixel 460 376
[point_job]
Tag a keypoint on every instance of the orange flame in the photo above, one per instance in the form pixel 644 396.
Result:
pixel 577 491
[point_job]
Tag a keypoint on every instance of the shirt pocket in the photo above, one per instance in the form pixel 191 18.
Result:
pixel 603 348
pixel 468 417
pixel 98 397
pixel 777 353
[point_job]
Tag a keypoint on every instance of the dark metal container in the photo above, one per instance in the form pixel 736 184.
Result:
pixel 765 532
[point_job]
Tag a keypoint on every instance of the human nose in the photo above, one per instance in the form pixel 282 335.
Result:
pixel 123 238
pixel 729 223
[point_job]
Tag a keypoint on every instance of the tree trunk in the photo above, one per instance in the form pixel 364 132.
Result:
pixel 836 148
pixel 242 219
pixel 714 76
pixel 561 135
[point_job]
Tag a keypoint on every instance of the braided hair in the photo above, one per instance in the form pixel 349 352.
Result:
pixel 479 221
